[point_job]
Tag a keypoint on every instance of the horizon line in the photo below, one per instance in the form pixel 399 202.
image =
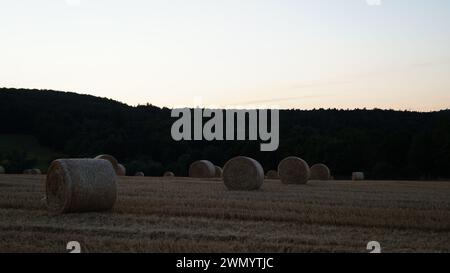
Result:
pixel 237 104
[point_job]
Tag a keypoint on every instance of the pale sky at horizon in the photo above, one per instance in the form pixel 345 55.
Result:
pixel 291 53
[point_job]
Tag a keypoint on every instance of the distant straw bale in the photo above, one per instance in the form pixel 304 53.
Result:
pixel 293 170
pixel 202 169
pixel 320 172
pixel 113 162
pixel 139 174
pixel 168 174
pixel 121 170
pixel 357 176
pixel 32 171
pixel 219 171
pixel 243 174
pixel 272 174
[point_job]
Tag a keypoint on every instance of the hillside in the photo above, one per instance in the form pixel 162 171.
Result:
pixel 24 151
pixel 383 143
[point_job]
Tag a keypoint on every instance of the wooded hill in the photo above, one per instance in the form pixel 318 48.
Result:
pixel 385 144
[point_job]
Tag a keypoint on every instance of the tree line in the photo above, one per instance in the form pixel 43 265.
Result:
pixel 385 144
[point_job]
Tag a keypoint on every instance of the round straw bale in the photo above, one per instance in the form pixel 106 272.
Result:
pixel 2 170
pixel 110 158
pixel 139 174
pixel 202 169
pixel 121 170
pixel 80 185
pixel 356 176
pixel 293 170
pixel 113 162
pixel 168 174
pixel 320 172
pixel 32 171
pixel 218 172
pixel 243 174
pixel 272 174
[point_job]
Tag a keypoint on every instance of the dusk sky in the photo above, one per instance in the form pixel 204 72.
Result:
pixel 290 53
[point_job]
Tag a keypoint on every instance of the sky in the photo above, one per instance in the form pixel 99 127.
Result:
pixel 306 54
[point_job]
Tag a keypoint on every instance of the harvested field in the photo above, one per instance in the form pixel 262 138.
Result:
pixel 201 215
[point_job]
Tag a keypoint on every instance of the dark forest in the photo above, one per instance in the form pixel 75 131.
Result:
pixel 385 144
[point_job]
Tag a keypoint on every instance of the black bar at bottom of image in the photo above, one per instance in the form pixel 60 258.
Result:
pixel 225 262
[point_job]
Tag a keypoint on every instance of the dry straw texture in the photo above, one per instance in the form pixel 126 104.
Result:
pixel 202 169
pixel 139 174
pixel 272 174
pixel 293 170
pixel 80 185
pixel 356 176
pixel 243 174
pixel 168 217
pixel 2 170
pixel 219 172
pixel 168 174
pixel 320 172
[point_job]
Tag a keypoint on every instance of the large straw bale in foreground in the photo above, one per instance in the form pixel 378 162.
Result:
pixel 243 174
pixel 293 170
pixel 202 169
pixel 80 185
pixel 320 172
